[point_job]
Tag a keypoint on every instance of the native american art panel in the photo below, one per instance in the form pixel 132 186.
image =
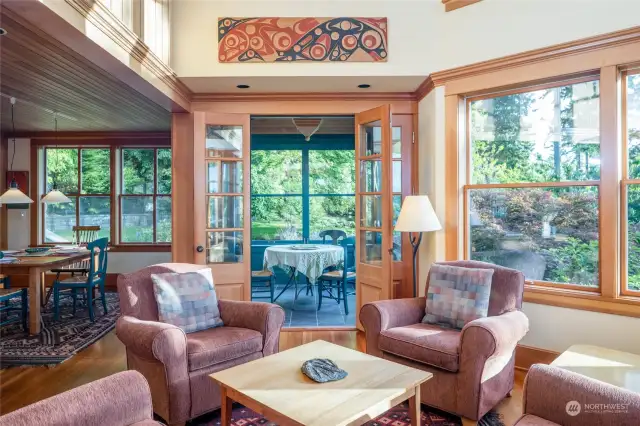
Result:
pixel 302 39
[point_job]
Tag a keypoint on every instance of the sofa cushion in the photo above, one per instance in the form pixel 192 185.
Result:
pixel 187 300
pixel 425 343
pixel 529 420
pixel 216 345
pixel 457 296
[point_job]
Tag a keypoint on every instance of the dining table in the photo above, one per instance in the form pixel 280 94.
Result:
pixel 35 266
pixel 310 260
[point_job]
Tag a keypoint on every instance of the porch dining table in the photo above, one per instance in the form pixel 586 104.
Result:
pixel 35 267
pixel 309 260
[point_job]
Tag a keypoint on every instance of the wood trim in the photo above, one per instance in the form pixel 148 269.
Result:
pixel 382 97
pixel 36 208
pixel 610 175
pixel 424 89
pixel 533 184
pixel 557 51
pixel 4 154
pixel 452 196
pixel 68 138
pixel 301 104
pixel 626 306
pixel 526 356
pixel 451 5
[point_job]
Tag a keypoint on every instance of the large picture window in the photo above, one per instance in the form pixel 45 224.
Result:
pixel 83 175
pixel 533 183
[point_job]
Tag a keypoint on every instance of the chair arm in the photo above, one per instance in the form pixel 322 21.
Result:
pixel 121 399
pixel 494 336
pixel 548 390
pixel 153 340
pixel 266 318
pixel 385 314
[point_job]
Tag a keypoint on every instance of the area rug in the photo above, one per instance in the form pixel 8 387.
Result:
pixel 397 416
pixel 59 340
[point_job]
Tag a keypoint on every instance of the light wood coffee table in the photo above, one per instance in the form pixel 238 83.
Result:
pixel 275 387
pixel 618 368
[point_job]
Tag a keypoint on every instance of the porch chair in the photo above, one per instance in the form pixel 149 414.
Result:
pixel 472 368
pixel 178 365
pixel 95 278
pixel 266 283
pixel 7 295
pixel 339 278
pixel 334 234
pixel 82 235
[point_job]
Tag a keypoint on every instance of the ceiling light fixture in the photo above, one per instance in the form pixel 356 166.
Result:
pixel 243 86
pixel 307 126
pixel 54 196
pixel 13 195
pixel 363 86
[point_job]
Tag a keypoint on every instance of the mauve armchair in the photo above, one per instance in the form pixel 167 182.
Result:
pixel 472 368
pixel 177 365
pixel 549 390
pixel 122 399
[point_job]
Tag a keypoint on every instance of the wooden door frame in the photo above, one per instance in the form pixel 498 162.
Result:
pixel 183 158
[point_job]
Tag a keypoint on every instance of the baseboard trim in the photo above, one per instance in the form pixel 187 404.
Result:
pixel 526 356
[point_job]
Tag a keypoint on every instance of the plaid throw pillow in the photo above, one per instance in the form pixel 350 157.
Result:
pixel 457 295
pixel 187 300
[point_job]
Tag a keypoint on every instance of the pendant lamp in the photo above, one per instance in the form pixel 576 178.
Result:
pixel 54 196
pixel 13 195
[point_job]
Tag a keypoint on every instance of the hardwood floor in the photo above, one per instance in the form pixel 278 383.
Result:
pixel 25 385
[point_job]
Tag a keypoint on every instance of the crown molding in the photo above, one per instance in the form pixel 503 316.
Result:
pixel 98 14
pixel 616 38
pixel 424 89
pixel 302 96
pixel 450 5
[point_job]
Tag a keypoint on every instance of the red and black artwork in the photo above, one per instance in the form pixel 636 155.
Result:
pixel 302 39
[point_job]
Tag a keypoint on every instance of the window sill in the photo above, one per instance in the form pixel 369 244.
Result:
pixel 582 300
pixel 141 248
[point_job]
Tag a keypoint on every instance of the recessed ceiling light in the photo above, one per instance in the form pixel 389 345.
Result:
pixel 364 86
pixel 243 86
pixel 3 32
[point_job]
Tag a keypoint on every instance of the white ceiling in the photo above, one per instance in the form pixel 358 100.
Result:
pixel 394 84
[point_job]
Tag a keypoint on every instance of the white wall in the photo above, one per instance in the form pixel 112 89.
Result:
pixel 18 223
pixel 422 37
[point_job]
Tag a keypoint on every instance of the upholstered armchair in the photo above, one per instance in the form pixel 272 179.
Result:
pixel 549 392
pixel 472 368
pixel 122 399
pixel 177 365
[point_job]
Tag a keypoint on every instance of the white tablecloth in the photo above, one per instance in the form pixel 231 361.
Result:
pixel 308 262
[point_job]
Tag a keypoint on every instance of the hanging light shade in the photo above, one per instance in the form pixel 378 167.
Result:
pixel 13 195
pixel 55 196
pixel 307 126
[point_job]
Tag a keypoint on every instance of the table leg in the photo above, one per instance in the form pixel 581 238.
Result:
pixel 414 407
pixel 35 281
pixel 227 407
pixel 43 290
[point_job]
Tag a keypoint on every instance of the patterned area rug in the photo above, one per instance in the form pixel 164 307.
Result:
pixel 397 416
pixel 60 340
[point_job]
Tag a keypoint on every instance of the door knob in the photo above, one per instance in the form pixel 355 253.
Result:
pixel 199 249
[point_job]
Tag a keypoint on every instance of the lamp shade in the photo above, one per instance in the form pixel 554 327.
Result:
pixel 417 215
pixel 55 196
pixel 13 195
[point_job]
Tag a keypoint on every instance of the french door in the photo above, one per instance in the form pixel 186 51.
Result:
pixel 222 219
pixel 374 246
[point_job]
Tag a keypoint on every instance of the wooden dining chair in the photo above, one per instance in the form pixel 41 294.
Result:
pixel 338 279
pixel 334 234
pixel 95 278
pixel 82 235
pixel 7 295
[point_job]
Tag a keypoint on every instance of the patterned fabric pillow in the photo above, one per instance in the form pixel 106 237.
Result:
pixel 187 300
pixel 457 295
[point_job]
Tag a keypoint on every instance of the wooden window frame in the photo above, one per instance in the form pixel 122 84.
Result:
pixel 115 141
pixel 467 187
pixel 155 195
pixel 624 184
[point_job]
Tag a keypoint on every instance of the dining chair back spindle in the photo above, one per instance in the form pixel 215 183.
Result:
pixel 95 278
pixel 338 279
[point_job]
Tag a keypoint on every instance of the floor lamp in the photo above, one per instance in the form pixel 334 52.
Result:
pixel 417 216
